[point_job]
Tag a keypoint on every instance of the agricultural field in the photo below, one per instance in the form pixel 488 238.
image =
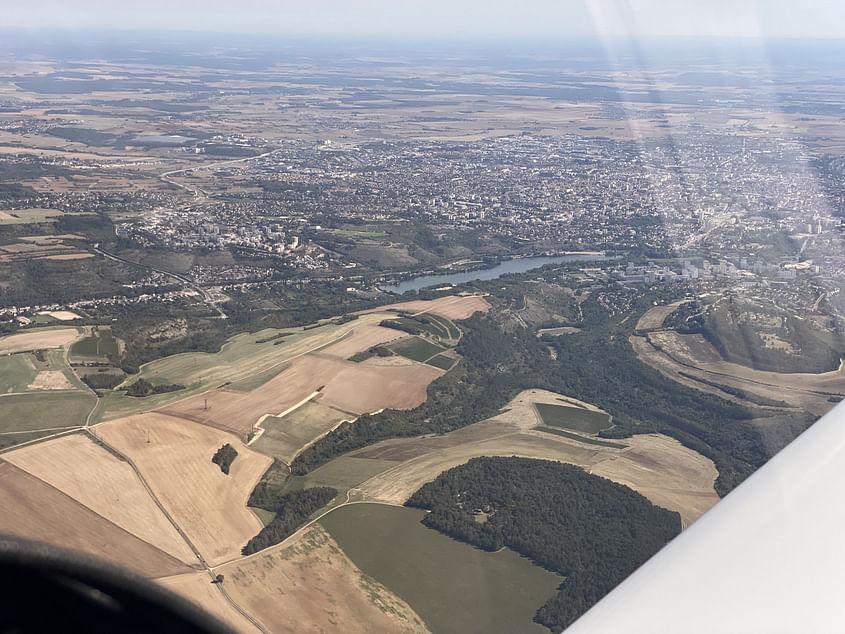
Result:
pixel 101 343
pixel 416 349
pixel 284 437
pixel 27 216
pixel 35 510
pixel 663 470
pixel 94 477
pixel 451 585
pixel 573 418
pixel 310 585
pixel 450 306
pixel 35 371
pixel 38 339
pixel 174 455
pixel 442 361
pixel 342 473
pixel 42 411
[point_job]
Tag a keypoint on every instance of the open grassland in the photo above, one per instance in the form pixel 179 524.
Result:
pixel 37 511
pixel 174 457
pixel 451 585
pixel 38 339
pixel 284 437
pixel 672 353
pixel 341 473
pixel 310 585
pixel 416 349
pixel 91 475
pixel 450 306
pixel 196 587
pixel 17 372
pixel 663 470
pixel 44 410
pixel 574 418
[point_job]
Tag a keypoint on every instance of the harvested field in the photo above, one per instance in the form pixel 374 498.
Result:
pixel 666 472
pixel 61 315
pixel 361 339
pixel 35 510
pixel 451 306
pixel 693 355
pixel 364 388
pixel 240 411
pixel 197 587
pixel 50 380
pixel 310 585
pixel 240 360
pixel 82 255
pixel 660 468
pixel 453 586
pixel 95 478
pixel 38 339
pixel 285 437
pixel 174 456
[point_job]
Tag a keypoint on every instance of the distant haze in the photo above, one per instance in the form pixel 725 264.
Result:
pixel 452 19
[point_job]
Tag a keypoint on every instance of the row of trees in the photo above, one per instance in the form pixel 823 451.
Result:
pixel 142 388
pixel 590 530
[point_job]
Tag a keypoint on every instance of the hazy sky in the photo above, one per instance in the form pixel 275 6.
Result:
pixel 462 19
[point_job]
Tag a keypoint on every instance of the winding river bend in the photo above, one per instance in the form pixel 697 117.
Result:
pixel 517 265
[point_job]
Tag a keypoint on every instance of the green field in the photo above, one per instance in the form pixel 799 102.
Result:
pixel 416 349
pixel 432 324
pixel 241 362
pixel 454 587
pixel 27 412
pixel 451 330
pixel 18 371
pixel 23 216
pixel 583 439
pixel 441 361
pixel 341 473
pixel 283 437
pixel 574 418
pixel 100 344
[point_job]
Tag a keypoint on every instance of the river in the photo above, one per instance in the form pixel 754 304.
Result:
pixel 517 265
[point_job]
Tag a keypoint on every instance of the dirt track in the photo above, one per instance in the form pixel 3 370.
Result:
pixel 176 462
pixel 35 510
pixel 95 478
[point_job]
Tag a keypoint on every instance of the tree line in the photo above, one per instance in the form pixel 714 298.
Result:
pixel 292 511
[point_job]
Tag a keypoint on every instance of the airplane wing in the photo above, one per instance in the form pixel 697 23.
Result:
pixel 769 557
